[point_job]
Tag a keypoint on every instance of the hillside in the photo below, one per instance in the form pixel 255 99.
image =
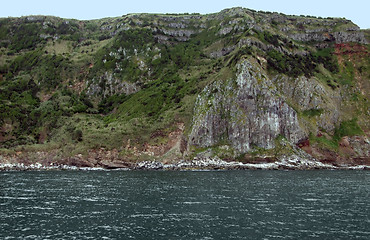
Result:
pixel 238 85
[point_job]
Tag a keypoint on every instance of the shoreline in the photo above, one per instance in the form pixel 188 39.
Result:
pixel 214 164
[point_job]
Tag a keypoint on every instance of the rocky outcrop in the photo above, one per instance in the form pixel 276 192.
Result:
pixel 245 112
pixel 252 42
pixel 309 95
pixel 352 151
pixel 178 32
pixel 223 52
pixel 291 162
pixel 108 85
pixel 352 36
pixel 337 37
pixel 41 160
pixel 360 146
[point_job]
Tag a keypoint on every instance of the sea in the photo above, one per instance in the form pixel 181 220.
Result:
pixel 249 204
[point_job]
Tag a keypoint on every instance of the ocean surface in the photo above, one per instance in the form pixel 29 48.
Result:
pixel 248 204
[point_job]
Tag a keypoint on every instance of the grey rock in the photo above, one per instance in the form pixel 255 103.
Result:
pixel 316 30
pixel 262 46
pixel 307 37
pixel 360 145
pixel 112 86
pixel 35 18
pixel 337 37
pixel 285 29
pixel 178 33
pixel 309 93
pixel 177 25
pixel 353 36
pixel 246 112
pixel 162 38
pixel 223 52
pixel 106 28
pixel 225 30
pixel 278 18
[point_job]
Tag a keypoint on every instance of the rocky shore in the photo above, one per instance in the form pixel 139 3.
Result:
pixel 286 163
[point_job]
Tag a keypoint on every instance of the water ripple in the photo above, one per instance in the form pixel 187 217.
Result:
pixel 185 205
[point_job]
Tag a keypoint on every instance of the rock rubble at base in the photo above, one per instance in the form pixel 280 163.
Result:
pixel 285 163
pixel 40 167
pixel 288 163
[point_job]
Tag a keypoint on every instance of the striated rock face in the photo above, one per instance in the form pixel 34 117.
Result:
pixel 265 47
pixel 245 112
pixel 337 37
pixel 308 94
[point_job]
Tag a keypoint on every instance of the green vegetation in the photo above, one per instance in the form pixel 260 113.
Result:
pixel 325 142
pixel 292 65
pixel 313 112
pixel 326 57
pixel 346 128
pixel 20 42
pixel 270 38
pixel 21 107
pixel 108 104
pixel 60 80
pixel 18 101
pixel 296 65
pixel 49 70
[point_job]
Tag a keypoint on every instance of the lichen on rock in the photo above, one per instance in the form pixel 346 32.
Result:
pixel 246 112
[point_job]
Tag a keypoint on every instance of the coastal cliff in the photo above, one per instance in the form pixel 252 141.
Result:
pixel 235 89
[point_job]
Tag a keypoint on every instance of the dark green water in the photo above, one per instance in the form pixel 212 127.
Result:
pixel 185 205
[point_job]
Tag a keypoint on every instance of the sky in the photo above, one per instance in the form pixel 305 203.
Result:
pixel 356 10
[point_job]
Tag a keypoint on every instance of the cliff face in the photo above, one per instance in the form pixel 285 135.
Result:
pixel 238 84
pixel 251 112
pixel 245 112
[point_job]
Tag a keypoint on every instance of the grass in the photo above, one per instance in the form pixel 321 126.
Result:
pixel 169 85
pixel 50 146
pixel 326 77
pixel 346 128
pixel 347 73
pixel 324 142
pixel 89 51
pixel 312 112
pixel 58 47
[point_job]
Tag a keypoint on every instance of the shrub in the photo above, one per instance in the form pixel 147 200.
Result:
pixel 312 112
pixel 348 128
pixel 326 57
pixel 77 135
pixel 292 65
